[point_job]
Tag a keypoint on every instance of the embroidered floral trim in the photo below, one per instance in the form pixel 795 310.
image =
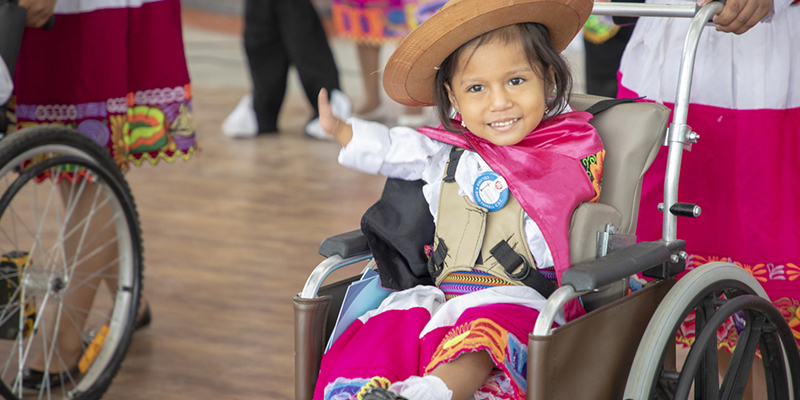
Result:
pixel 762 272
pixel 508 353
pixel 594 168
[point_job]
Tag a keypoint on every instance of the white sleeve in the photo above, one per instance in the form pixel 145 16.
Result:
pixel 6 84
pixel 399 152
pixel 536 243
pixel 778 7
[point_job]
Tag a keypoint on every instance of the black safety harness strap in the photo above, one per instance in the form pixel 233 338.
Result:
pixel 452 163
pixel 528 275
pixel 436 262
pixel 603 105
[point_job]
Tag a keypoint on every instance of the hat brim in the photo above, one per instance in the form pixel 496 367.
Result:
pixel 410 73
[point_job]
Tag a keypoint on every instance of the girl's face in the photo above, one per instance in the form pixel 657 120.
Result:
pixel 497 92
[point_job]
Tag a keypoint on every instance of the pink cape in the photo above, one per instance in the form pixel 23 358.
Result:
pixel 544 173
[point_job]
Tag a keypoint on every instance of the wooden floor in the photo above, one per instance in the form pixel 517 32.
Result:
pixel 230 236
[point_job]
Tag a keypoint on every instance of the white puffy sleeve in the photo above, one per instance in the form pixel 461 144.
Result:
pixel 399 152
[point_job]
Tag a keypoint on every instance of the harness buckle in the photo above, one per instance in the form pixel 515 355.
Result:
pixel 522 274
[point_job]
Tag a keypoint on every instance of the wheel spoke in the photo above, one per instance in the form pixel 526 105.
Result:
pixel 77 233
pixel 744 355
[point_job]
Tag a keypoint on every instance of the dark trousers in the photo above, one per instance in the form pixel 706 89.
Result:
pixel 277 34
pixel 602 63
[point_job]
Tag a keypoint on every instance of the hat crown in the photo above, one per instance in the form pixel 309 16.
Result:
pixel 410 73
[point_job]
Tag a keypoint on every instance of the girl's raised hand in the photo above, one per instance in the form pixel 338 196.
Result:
pixel 329 123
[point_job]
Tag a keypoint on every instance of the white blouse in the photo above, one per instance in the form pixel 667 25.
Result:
pixel 404 153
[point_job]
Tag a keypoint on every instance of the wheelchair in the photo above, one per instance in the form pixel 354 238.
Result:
pixel 624 347
pixel 71 254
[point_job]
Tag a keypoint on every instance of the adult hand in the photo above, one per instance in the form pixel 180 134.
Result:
pixel 740 15
pixel 329 123
pixel 39 11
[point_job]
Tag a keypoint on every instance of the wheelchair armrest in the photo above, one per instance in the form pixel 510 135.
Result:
pixel 653 256
pixel 345 245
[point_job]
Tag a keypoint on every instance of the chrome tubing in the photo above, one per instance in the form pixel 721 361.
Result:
pixel 323 269
pixel 644 10
pixel 678 130
pixel 553 306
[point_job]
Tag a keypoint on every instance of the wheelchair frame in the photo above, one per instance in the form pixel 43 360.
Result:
pixel 714 291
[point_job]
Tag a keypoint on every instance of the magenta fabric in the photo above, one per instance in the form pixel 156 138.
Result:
pixel 111 52
pixel 744 174
pixel 117 75
pixel 543 171
pixel 389 346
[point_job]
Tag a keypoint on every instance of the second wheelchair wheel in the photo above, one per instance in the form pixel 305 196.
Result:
pixel 71 266
pixel 722 298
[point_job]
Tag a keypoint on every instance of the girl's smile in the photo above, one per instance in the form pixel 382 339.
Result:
pixel 499 94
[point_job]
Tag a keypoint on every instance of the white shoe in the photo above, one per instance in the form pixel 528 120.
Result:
pixel 241 123
pixel 341 106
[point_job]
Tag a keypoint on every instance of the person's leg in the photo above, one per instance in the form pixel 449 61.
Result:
pixel 88 251
pixel 602 63
pixel 267 59
pixel 465 375
pixel 368 60
pixel 307 47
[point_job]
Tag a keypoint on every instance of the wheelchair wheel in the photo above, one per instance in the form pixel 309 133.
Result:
pixel 71 266
pixel 722 296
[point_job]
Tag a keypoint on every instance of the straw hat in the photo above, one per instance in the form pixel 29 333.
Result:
pixel 410 73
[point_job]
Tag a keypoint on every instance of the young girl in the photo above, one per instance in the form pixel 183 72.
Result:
pixel 503 177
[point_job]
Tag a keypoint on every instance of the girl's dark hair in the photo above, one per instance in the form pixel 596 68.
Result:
pixel 545 60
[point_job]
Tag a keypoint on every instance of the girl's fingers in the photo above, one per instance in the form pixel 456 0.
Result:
pixel 326 119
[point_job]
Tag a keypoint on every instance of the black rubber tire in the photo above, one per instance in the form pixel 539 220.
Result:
pixel 652 378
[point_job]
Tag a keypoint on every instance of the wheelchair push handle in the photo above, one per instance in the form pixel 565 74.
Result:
pixel 679 134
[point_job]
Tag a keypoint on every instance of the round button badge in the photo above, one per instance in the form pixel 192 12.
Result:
pixel 490 191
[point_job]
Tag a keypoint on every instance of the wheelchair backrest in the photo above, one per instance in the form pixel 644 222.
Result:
pixel 632 134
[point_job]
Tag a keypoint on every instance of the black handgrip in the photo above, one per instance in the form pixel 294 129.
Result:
pixel 345 245
pixel 685 210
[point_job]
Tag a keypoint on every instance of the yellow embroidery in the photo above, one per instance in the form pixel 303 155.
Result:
pixel 374 382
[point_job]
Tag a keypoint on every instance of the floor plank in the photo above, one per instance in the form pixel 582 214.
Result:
pixel 230 236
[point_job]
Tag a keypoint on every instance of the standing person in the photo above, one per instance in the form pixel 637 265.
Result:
pixel 515 160
pixel 277 35
pixel 115 72
pixel 371 24
pixel 745 105
pixel 604 42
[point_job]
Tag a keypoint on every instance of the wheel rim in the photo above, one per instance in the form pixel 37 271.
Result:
pixel 39 219
pixel 705 290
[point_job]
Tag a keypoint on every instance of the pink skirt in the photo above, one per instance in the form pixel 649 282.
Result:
pixel 744 174
pixel 116 74
pixel 414 331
